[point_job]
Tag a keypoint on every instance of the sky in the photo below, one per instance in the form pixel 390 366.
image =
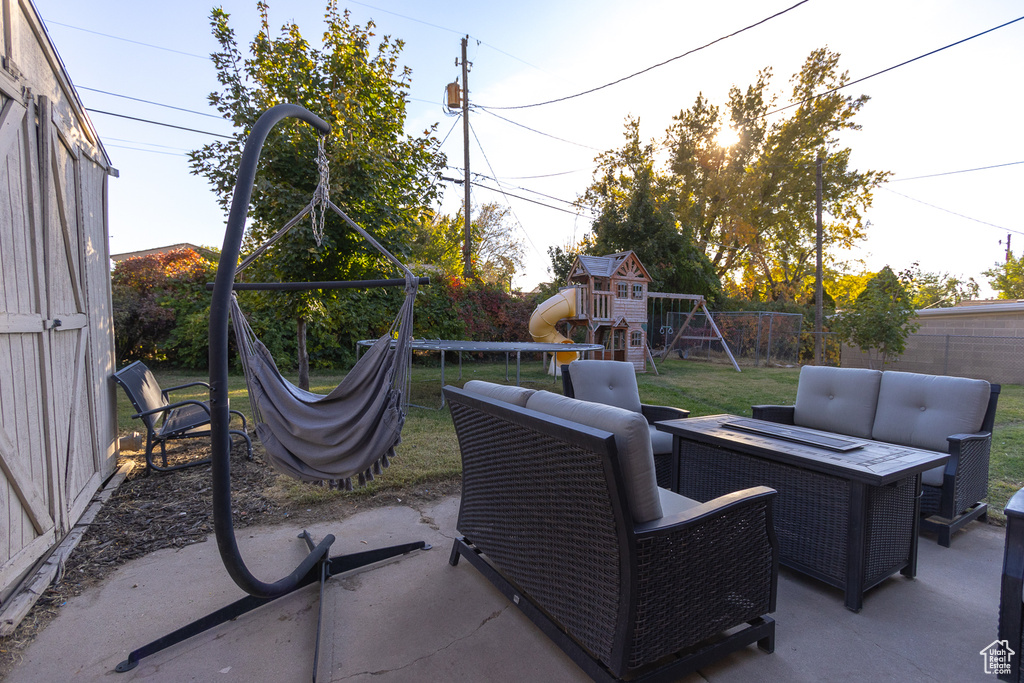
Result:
pixel 953 115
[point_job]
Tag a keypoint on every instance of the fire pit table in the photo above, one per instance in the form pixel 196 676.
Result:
pixel 847 512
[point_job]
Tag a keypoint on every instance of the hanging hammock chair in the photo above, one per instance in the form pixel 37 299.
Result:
pixel 349 433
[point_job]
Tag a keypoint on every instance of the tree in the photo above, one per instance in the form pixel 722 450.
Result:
pixel 498 254
pixel 940 289
pixel 436 244
pixel 1007 278
pixel 751 206
pixel 151 296
pixel 635 213
pixel 879 319
pixel 380 176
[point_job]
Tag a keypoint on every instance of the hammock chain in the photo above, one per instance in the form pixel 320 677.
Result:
pixel 321 197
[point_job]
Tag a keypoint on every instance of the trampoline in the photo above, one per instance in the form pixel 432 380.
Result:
pixel 508 348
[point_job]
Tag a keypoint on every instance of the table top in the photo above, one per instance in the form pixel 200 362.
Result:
pixel 872 462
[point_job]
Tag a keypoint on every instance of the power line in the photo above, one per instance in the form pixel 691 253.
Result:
pixel 525 199
pixel 148 144
pixel 158 104
pixel 655 66
pixel 127 40
pixel 966 170
pixel 878 73
pixel 526 189
pixel 454 123
pixel 403 16
pixel 534 130
pixel 151 151
pixel 546 175
pixel 158 123
pixel 488 162
pixel 959 215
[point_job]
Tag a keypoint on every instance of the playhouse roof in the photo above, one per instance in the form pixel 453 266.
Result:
pixel 608 265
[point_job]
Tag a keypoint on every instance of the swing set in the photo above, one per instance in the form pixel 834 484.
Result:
pixel 349 433
pixel 677 304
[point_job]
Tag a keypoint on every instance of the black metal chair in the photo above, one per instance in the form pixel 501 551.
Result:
pixel 614 383
pixel 166 421
pixel 1011 602
pixel 546 519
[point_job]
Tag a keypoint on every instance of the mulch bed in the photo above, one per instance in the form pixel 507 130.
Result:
pixel 174 509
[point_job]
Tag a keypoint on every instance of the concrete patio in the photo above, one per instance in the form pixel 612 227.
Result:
pixel 418 619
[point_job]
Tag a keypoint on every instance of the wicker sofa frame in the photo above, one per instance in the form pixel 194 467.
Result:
pixel 945 509
pixel 545 519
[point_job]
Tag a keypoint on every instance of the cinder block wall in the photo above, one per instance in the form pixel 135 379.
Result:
pixel 981 341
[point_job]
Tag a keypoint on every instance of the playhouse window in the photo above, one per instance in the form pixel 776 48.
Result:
pixel 638 291
pixel 623 291
pixel 636 338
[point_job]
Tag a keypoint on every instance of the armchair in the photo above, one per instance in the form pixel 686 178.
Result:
pixel 166 421
pixel 614 383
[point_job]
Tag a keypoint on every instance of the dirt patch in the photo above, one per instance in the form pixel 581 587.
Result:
pixel 174 509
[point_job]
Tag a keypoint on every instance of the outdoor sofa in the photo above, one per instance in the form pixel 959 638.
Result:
pixel 952 415
pixel 560 510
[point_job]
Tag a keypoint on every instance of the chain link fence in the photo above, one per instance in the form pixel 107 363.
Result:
pixel 754 337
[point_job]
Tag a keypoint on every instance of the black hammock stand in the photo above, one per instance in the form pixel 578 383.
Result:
pixel 318 564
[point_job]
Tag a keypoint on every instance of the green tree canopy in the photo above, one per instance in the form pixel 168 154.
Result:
pixel 940 289
pixel 380 176
pixel 635 212
pixel 498 254
pixel 751 205
pixel 880 318
pixel 1007 278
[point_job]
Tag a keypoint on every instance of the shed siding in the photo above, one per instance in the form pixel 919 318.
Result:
pixel 57 404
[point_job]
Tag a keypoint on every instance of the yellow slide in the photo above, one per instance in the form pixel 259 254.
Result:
pixel 544 318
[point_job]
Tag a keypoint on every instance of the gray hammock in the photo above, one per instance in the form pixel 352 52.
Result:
pixel 350 432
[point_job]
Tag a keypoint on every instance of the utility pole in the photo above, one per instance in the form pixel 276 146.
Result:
pixel 818 289
pixel 467 245
pixel 1008 247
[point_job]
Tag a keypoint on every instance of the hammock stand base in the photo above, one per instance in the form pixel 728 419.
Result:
pixel 325 568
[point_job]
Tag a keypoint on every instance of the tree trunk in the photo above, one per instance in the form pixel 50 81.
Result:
pixel 303 356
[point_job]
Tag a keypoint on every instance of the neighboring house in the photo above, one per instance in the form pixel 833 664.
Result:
pixel 207 254
pixel 58 423
pixel 978 339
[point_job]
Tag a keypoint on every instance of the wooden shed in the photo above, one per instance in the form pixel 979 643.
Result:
pixel 57 403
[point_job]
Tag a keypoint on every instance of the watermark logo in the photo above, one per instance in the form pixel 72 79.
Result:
pixel 998 656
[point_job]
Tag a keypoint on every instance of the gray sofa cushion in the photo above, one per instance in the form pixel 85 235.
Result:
pixel 661 442
pixel 840 400
pixel 499 392
pixel 632 441
pixel 922 410
pixel 610 382
pixel 934 476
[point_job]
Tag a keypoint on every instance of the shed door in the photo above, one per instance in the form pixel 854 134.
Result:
pixel 29 506
pixel 77 472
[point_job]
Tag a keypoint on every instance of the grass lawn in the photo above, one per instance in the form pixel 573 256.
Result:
pixel 429 450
